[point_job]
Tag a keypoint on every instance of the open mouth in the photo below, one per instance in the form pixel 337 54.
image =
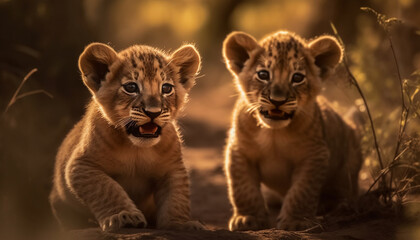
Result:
pixel 148 130
pixel 276 114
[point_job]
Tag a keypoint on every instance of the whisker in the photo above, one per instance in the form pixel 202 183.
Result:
pixel 234 95
pixel 253 105
pixel 139 118
pixel 250 106
pixel 164 119
pixel 250 110
pixel 264 100
pixel 200 76
pixel 137 114
pixel 123 121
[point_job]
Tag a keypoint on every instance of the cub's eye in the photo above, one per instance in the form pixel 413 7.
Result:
pixel 167 88
pixel 298 78
pixel 263 75
pixel 131 87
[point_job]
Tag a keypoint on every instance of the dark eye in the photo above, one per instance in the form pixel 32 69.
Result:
pixel 167 88
pixel 298 78
pixel 263 75
pixel 130 87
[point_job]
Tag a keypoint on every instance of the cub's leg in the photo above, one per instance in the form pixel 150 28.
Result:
pixel 345 184
pixel 301 201
pixel 354 163
pixel 249 211
pixel 105 198
pixel 68 217
pixel 173 201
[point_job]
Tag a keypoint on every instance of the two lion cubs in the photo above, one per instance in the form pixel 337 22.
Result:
pixel 121 165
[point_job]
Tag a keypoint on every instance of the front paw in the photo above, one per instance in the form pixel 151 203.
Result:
pixel 124 219
pixel 192 225
pixel 295 224
pixel 247 222
pixel 188 225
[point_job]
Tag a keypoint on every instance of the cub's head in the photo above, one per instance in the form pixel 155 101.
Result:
pixel 140 89
pixel 280 76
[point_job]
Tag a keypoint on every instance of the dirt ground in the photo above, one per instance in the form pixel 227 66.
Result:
pixel 210 205
pixel 204 136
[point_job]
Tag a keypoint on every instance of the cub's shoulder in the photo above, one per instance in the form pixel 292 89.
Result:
pixel 338 126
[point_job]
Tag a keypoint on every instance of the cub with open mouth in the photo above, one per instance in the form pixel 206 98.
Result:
pixel 121 165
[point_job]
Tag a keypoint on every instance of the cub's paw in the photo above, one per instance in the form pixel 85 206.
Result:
pixel 247 222
pixel 295 224
pixel 192 225
pixel 124 219
pixel 188 225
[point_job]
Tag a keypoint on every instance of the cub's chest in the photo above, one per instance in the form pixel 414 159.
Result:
pixel 273 146
pixel 143 163
pixel 276 174
pixel 277 157
pixel 137 172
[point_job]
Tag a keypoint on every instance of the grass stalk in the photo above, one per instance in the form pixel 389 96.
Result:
pixel 16 96
pixel 359 90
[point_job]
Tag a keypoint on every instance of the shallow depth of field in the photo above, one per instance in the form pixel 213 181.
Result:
pixel 382 55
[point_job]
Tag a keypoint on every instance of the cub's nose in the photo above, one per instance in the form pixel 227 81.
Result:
pixel 278 101
pixel 152 114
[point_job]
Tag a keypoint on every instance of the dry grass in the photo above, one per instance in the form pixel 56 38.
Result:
pixel 17 95
pixel 397 178
pixel 389 191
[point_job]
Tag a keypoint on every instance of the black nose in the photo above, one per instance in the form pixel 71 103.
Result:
pixel 152 115
pixel 278 103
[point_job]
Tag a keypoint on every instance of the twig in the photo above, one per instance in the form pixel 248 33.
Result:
pixel 34 92
pixel 381 175
pixel 404 109
pixel 386 24
pixel 17 97
pixel 354 81
pixel 408 189
pixel 385 171
pixel 13 99
pixel 367 111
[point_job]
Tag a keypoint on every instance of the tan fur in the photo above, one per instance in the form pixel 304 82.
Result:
pixel 106 176
pixel 311 159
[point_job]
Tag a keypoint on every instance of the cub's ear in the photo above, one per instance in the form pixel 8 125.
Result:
pixel 188 60
pixel 327 53
pixel 94 64
pixel 237 49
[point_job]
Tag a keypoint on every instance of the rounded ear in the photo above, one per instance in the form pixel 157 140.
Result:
pixel 188 60
pixel 94 64
pixel 327 53
pixel 237 49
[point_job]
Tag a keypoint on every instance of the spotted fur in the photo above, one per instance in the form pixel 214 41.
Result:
pixel 282 135
pixel 107 176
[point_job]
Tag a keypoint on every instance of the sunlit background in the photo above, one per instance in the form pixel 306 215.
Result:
pixel 49 35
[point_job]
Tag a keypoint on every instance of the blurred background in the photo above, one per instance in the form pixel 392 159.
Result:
pixel 49 35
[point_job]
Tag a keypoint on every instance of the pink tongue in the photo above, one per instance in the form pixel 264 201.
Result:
pixel 148 128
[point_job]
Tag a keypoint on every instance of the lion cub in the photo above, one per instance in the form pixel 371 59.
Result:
pixel 121 165
pixel 282 136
